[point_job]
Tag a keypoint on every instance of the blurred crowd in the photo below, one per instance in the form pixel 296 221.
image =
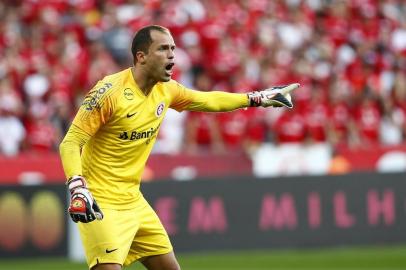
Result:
pixel 349 56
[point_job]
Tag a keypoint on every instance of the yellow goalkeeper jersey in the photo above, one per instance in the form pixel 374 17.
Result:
pixel 123 124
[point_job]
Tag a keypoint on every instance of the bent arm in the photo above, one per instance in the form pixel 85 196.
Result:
pixel 70 149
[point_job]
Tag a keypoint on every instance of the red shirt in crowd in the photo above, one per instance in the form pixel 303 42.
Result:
pixel 339 119
pixel 367 119
pixel 203 125
pixel 316 121
pixel 290 127
pixel 243 125
pixel 42 136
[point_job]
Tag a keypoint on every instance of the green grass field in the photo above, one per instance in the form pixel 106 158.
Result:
pixel 382 258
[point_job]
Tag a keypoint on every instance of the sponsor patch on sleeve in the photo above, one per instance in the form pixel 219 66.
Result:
pixel 94 98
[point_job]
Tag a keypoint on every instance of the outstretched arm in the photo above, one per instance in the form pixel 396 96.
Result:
pixel 217 101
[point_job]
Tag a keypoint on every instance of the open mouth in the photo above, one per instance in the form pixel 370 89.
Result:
pixel 169 68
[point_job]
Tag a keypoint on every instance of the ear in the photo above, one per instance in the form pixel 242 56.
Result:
pixel 141 57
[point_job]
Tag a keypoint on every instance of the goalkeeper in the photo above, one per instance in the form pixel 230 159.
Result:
pixel 106 148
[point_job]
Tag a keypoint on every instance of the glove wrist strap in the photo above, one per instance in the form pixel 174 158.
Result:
pixel 254 98
pixel 75 182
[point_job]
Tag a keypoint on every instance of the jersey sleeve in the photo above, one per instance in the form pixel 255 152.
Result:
pixel 69 150
pixel 96 109
pixel 214 101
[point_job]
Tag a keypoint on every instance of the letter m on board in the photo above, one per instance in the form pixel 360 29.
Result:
pixel 278 214
pixel 207 217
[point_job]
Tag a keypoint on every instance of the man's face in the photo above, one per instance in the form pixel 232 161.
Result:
pixel 160 59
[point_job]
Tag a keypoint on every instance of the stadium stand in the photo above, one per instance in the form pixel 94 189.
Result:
pixel 349 56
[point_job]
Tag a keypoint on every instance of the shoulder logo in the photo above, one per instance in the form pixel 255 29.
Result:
pixel 128 94
pixel 160 109
pixel 130 114
pixel 111 250
pixel 92 99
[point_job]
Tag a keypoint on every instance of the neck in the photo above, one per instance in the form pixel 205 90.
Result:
pixel 144 82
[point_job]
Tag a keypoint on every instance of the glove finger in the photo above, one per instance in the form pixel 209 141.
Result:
pixel 97 211
pixel 83 218
pixel 90 217
pixel 78 217
pixel 74 218
pixel 289 88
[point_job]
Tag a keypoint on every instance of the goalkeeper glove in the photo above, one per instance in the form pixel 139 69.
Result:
pixel 277 96
pixel 83 206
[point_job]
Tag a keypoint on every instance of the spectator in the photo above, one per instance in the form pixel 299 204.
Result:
pixel 116 37
pixel 290 127
pixel 202 130
pixel 316 116
pixel 340 130
pixel 243 130
pixel 42 136
pixel 12 131
pixel 367 119
pixel 392 124
pixel 60 116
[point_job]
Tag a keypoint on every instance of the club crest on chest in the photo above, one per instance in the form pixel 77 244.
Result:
pixel 160 109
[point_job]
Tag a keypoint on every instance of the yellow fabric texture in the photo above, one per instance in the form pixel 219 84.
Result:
pixel 124 236
pixel 73 142
pixel 122 125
